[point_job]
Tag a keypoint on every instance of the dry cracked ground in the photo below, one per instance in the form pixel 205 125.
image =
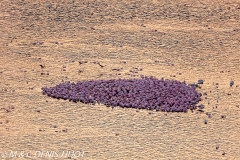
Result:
pixel 46 42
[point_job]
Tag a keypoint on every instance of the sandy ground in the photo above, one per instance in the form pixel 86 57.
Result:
pixel 42 43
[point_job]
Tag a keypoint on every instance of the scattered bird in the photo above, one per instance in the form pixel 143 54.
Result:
pixel 194 85
pixel 201 106
pixel 101 65
pixel 116 69
pixel 42 66
pixel 205 121
pixel 231 83
pixel 223 116
pixel 82 62
pixel 200 81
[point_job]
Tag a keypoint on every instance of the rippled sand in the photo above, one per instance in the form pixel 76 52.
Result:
pixel 45 42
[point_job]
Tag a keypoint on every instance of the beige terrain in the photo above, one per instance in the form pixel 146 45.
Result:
pixel 42 43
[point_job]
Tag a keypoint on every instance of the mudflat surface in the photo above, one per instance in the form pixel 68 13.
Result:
pixel 42 43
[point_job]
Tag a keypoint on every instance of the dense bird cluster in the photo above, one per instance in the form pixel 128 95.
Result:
pixel 142 93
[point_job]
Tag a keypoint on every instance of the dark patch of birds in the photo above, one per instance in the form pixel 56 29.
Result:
pixel 140 93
